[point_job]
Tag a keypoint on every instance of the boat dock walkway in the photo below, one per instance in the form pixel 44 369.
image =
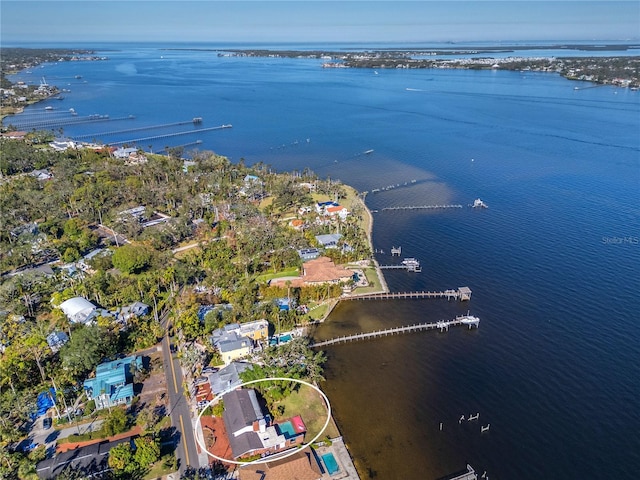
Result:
pixel 419 207
pixel 462 293
pixel 443 325
pixel 409 264
pixel 51 124
pixel 468 474
pixel 131 130
pixel 168 135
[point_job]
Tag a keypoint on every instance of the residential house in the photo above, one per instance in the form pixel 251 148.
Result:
pixel 302 465
pixel 316 272
pixel 83 262
pixel 256 330
pixel 124 153
pixel 230 343
pixel 297 224
pixel 337 211
pixel 41 174
pixel 61 144
pixel 307 254
pixel 329 241
pixel 136 309
pixel 78 310
pixel 322 206
pixel 15 135
pixel 251 432
pixel 56 340
pixel 227 377
pixel 113 383
pixel 91 460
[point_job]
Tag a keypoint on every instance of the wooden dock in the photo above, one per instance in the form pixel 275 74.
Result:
pixel 462 293
pixel 136 129
pixel 443 325
pixel 420 207
pixel 168 135
pixel 409 264
pixel 468 474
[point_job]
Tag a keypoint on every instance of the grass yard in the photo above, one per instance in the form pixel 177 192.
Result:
pixel 290 272
pixel 308 403
pixel 160 468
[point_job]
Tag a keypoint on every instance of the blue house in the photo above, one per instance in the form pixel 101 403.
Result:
pixel 113 383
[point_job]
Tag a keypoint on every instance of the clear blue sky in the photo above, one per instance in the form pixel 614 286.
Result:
pixel 316 21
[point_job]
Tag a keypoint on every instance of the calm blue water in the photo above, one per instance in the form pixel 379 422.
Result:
pixel 553 263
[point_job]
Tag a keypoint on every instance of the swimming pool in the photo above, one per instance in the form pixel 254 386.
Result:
pixel 281 339
pixel 287 429
pixel 330 462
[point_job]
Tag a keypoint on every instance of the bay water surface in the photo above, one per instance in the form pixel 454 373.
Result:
pixel 552 263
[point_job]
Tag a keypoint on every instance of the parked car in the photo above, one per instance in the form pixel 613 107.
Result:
pixel 46 423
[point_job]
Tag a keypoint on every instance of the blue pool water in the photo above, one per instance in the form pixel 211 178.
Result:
pixel 283 339
pixel 330 463
pixel 287 429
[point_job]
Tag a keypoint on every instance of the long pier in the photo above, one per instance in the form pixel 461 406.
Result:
pixel 72 121
pixel 419 207
pixel 131 130
pixel 462 293
pixel 168 135
pixel 443 325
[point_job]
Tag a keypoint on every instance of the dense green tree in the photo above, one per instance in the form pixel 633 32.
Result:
pixel 147 451
pixel 132 258
pixel 116 422
pixel 121 459
pixel 88 346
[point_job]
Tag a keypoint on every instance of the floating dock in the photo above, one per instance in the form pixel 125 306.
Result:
pixel 443 325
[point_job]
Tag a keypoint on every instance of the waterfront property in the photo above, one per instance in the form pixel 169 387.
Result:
pixel 251 432
pixel 301 466
pixel 113 383
pixel 227 377
pixel 319 271
pixel 231 343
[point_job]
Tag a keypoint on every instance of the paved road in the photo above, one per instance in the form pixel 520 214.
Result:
pixel 50 436
pixel 179 409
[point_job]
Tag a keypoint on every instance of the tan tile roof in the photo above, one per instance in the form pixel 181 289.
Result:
pixel 318 270
pixel 301 466
pixel 322 269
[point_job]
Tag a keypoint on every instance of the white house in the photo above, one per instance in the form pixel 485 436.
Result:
pixel 78 309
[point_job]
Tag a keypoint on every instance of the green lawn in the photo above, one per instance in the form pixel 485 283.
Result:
pixel 290 272
pixel 160 468
pixel 308 403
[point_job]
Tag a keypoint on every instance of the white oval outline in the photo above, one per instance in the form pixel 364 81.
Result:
pixel 275 456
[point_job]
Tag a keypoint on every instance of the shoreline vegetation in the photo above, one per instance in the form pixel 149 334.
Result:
pixel 621 71
pixel 15 97
pixel 69 234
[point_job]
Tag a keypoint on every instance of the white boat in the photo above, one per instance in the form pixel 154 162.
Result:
pixel 470 320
